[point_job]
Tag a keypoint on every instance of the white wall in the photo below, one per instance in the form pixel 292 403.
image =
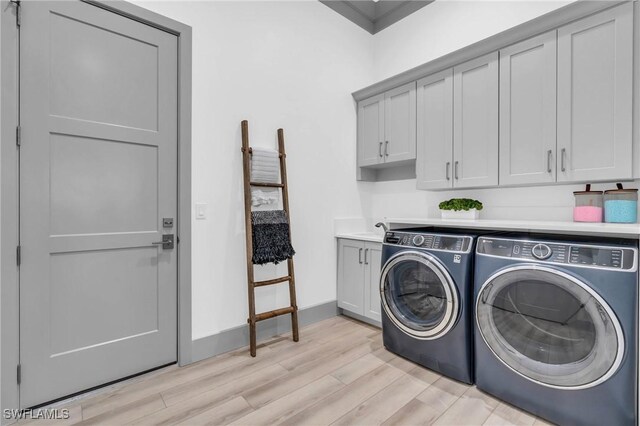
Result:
pixel 438 29
pixel 448 25
pixel 277 64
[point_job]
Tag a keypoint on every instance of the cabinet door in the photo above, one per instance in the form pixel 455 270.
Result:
pixel 595 85
pixel 372 256
pixel 475 122
pixel 528 111
pixel 400 123
pixel 371 131
pixel 351 275
pixel 435 131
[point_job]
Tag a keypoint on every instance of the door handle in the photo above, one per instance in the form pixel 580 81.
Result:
pixel 386 148
pixel 360 256
pixel 563 155
pixel 366 251
pixel 549 153
pixel 448 167
pixel 456 169
pixel 166 243
pixel 380 150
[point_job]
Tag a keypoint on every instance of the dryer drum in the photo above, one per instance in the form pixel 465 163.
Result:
pixel 549 327
pixel 418 295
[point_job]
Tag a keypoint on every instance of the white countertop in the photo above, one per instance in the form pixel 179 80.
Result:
pixel 361 236
pixel 574 228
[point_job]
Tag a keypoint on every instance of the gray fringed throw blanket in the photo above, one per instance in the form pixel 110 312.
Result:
pixel 270 237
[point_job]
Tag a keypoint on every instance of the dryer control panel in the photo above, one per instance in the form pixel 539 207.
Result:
pixel 440 242
pixel 592 256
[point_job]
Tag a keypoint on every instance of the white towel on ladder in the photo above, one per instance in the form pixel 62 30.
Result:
pixel 265 165
pixel 260 197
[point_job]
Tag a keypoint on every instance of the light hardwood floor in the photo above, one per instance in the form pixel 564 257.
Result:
pixel 339 374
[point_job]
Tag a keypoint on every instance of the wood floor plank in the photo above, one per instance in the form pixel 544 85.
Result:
pixel 205 383
pixel 505 414
pixel 415 412
pixel 438 397
pixel 541 422
pixel 302 375
pixel 333 346
pixel 402 363
pixel 424 374
pixel 357 368
pixel 222 414
pixel 160 382
pixel 336 405
pixel 383 354
pixel 472 408
pixel 128 413
pixel 291 404
pixel 199 403
pixel 351 327
pixel 381 406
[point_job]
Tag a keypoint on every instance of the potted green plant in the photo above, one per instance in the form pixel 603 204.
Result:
pixel 460 208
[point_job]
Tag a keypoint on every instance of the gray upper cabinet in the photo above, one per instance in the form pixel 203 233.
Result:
pixel 400 123
pixel 387 127
pixel 371 131
pixel 595 85
pixel 435 131
pixel 475 122
pixel 528 111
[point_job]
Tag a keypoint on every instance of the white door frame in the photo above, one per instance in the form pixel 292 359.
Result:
pixel 9 187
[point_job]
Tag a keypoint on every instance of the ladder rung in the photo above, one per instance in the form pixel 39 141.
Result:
pixel 273 281
pixel 267 184
pixel 274 313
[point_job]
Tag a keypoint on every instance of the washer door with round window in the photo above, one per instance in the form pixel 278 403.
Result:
pixel 418 295
pixel 549 327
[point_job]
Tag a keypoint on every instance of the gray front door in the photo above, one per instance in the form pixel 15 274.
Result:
pixel 98 173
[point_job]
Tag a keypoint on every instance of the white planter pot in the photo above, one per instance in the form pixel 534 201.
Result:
pixel 460 214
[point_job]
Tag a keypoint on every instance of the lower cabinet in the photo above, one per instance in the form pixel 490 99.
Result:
pixel 358 278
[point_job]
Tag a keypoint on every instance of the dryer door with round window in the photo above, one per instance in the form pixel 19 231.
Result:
pixel 418 295
pixel 549 327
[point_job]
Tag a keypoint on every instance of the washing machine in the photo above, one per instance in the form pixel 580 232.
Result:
pixel 556 327
pixel 426 292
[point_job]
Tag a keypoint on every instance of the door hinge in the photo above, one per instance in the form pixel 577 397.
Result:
pixel 19 255
pixel 16 3
pixel 18 135
pixel 19 374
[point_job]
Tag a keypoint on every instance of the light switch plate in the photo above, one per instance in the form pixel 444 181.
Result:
pixel 201 211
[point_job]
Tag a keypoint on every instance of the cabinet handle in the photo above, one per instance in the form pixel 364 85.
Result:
pixel 456 169
pixel 380 150
pixel 549 153
pixel 563 155
pixel 360 256
pixel 386 148
pixel 448 169
pixel 366 251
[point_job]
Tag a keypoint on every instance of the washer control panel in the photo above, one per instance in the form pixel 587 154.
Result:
pixel 593 256
pixel 452 243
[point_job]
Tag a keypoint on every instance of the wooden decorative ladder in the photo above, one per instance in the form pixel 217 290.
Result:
pixel 290 277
